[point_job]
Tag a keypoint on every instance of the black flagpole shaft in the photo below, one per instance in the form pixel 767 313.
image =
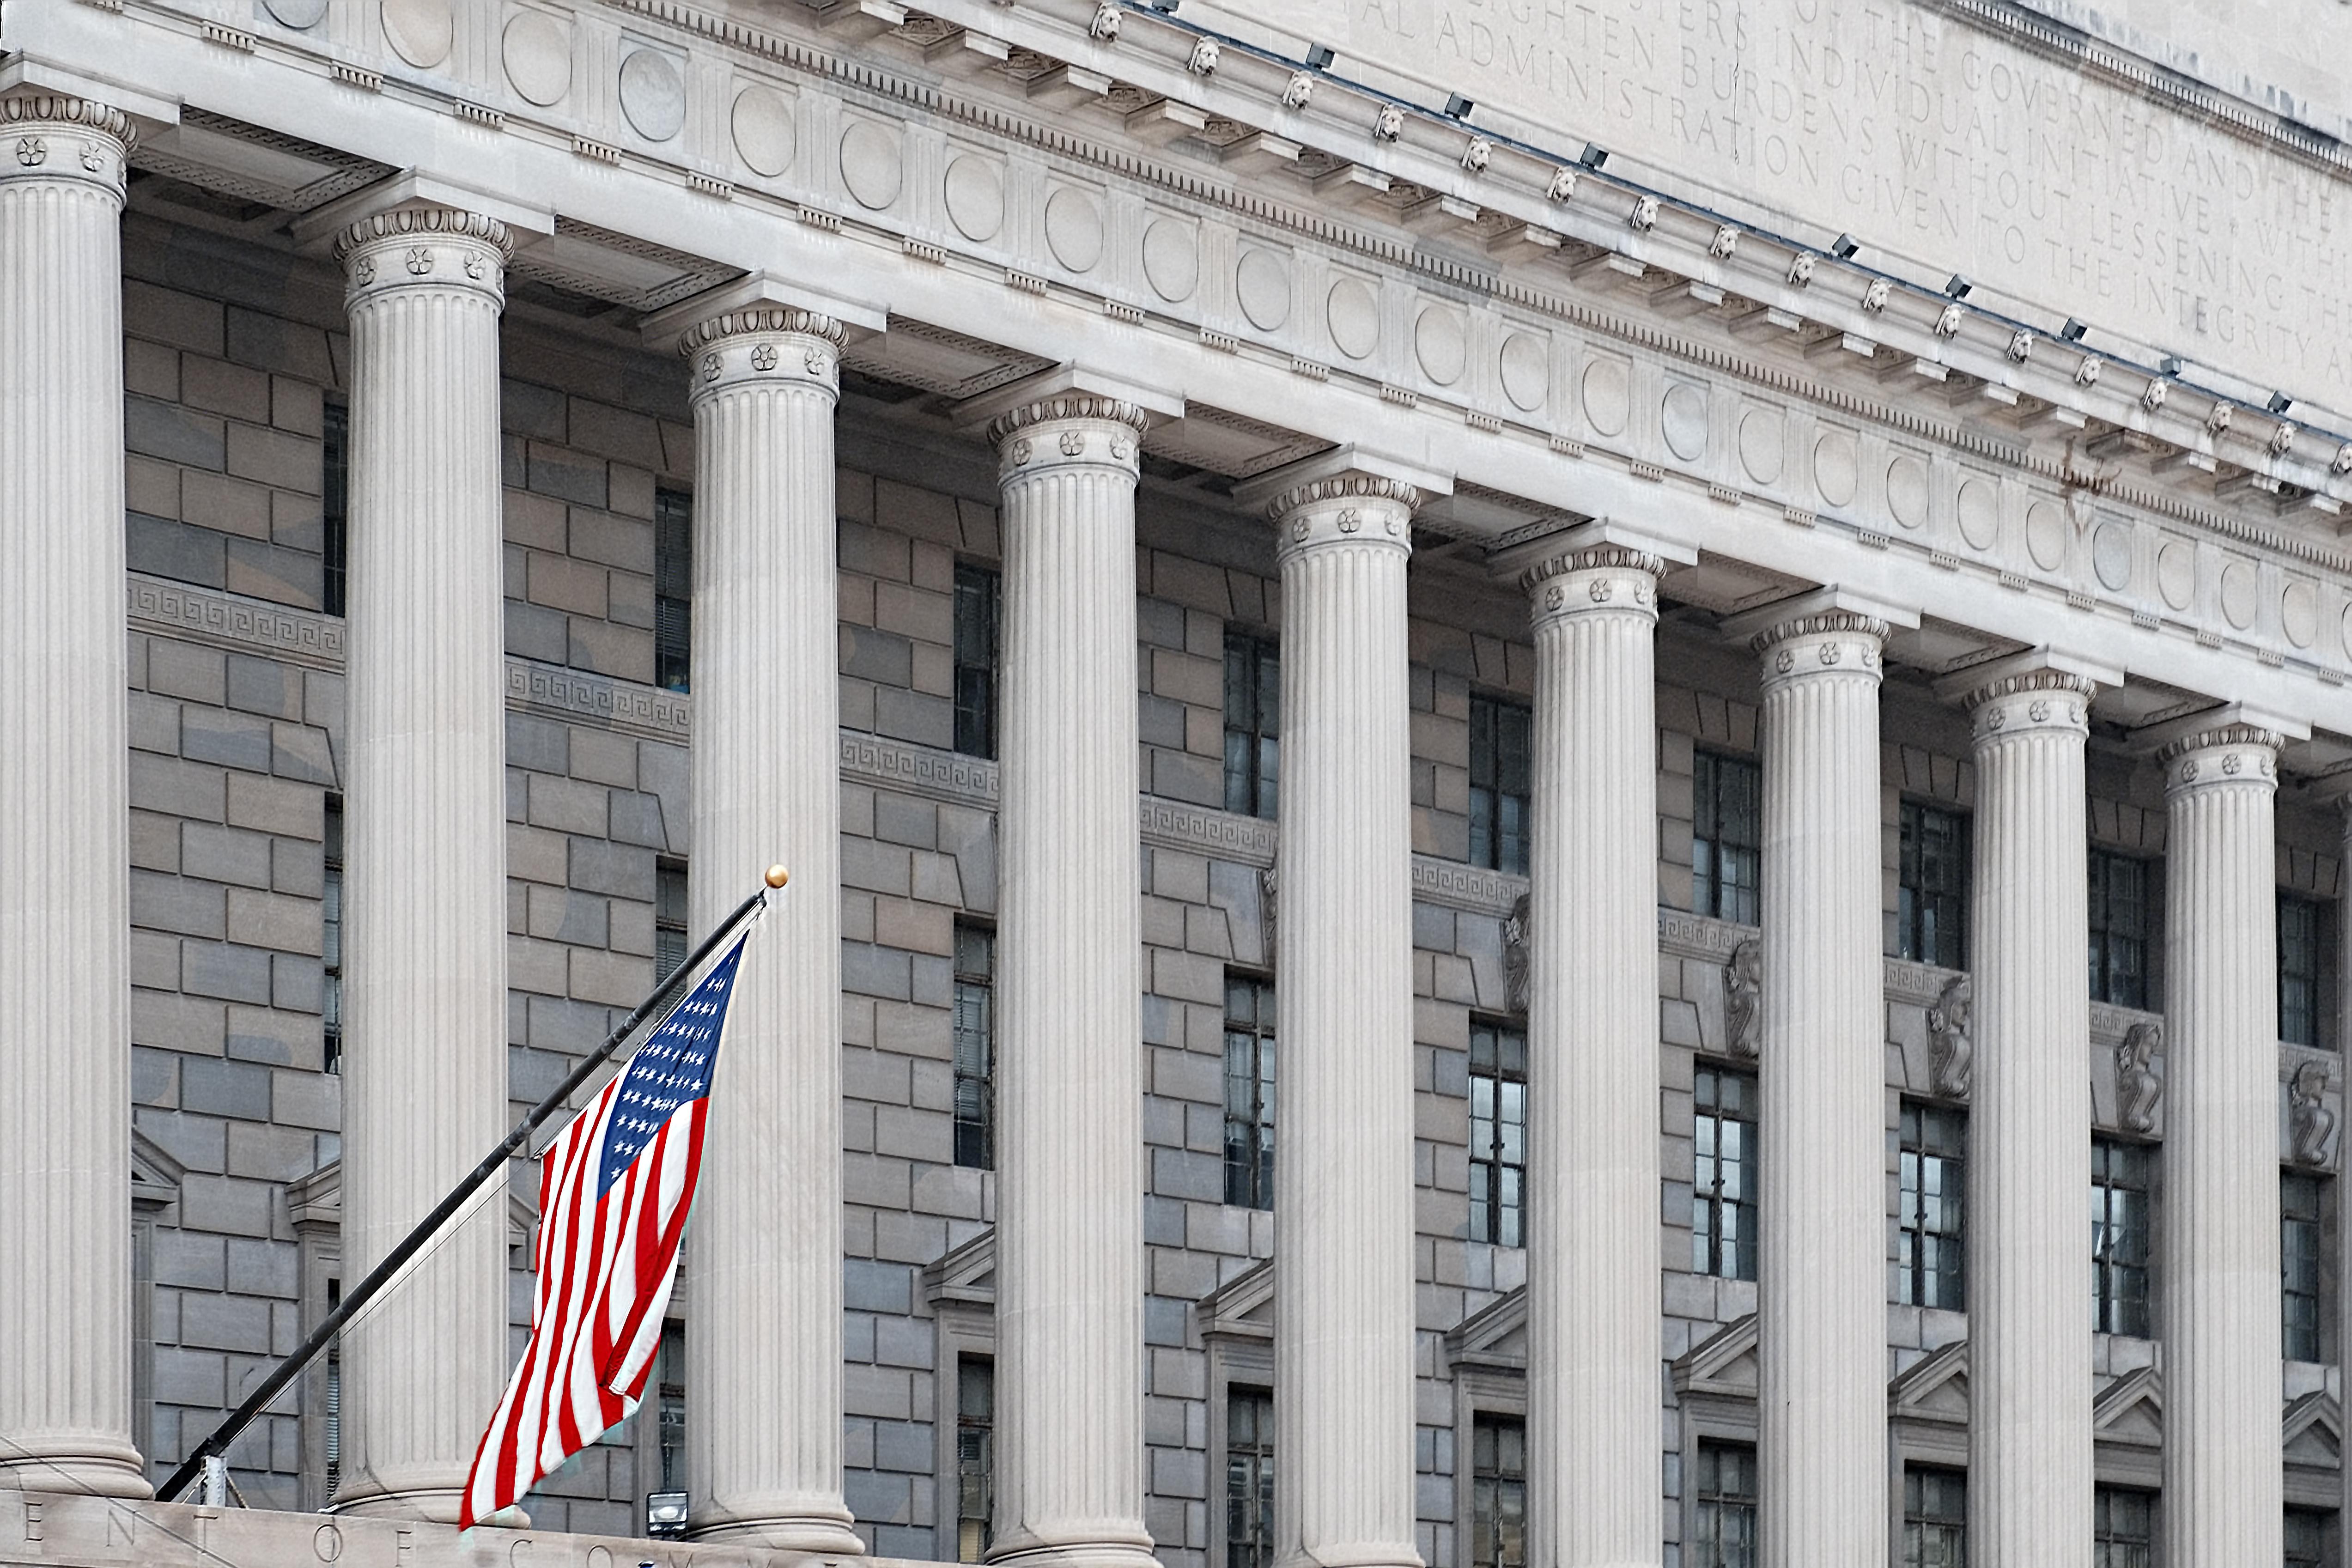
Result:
pixel 492 1164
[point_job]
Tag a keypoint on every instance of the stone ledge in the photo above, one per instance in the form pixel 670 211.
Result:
pixel 43 1529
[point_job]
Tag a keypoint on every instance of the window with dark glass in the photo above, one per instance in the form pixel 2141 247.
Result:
pixel 2119 914
pixel 1932 902
pixel 975 1046
pixel 673 587
pixel 1929 1245
pixel 1249 1477
pixel 2121 1226
pixel 978 629
pixel 2123 1527
pixel 1723 1180
pixel 2307 1529
pixel 2300 1199
pixel 1724 1518
pixel 670 944
pixel 1502 745
pixel 334 1424
pixel 669 1412
pixel 1498 1132
pixel 1934 1518
pixel 1726 835
pixel 1249 1091
pixel 1499 1492
pixel 976 1456
pixel 2299 931
pixel 1252 724
pixel 331 938
pixel 335 509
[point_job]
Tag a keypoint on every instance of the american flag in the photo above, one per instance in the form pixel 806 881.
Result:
pixel 615 1188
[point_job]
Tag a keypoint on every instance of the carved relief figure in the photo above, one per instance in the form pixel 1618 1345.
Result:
pixel 1743 997
pixel 1950 1052
pixel 1515 956
pixel 2309 1122
pixel 2138 1089
pixel 1269 906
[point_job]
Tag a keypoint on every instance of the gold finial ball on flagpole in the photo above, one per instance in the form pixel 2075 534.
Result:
pixel 777 877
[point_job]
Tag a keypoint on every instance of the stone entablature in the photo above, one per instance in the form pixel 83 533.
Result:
pixel 2003 487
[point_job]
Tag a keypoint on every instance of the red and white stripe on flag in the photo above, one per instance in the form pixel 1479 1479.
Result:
pixel 614 1190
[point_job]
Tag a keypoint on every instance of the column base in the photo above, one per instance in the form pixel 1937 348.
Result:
pixel 1352 1554
pixel 432 1504
pixel 784 1528
pixel 1128 1552
pixel 83 1464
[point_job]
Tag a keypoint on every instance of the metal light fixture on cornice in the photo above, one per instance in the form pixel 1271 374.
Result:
pixel 1458 107
pixel 1959 286
pixel 1595 154
pixel 1844 247
pixel 2280 403
pixel 2073 330
pixel 1319 56
pixel 2171 364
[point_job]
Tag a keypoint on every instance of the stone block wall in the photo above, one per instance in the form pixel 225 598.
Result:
pixel 235 752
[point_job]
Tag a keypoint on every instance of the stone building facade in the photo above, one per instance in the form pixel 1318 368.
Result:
pixel 1490 835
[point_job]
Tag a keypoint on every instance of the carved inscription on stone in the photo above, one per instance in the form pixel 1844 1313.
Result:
pixel 1920 132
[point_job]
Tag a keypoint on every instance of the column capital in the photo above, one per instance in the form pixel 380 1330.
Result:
pixel 1599 579
pixel 425 247
pixel 1344 509
pixel 2046 700
pixel 57 109
pixel 1068 409
pixel 2226 753
pixel 2256 737
pixel 49 137
pixel 767 344
pixel 2049 678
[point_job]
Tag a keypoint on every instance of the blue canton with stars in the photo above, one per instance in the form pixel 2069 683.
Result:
pixel 672 1068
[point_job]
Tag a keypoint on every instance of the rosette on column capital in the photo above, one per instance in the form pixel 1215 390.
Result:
pixel 1602 567
pixel 1345 497
pixel 2040 690
pixel 1827 632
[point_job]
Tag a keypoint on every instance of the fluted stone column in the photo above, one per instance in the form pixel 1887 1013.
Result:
pixel 1822 1269
pixel 1593 1423
pixel 424 903
pixel 2029 1148
pixel 1069 1195
pixel 2221 1217
pixel 65 979
pixel 1343 1365
pixel 763 1448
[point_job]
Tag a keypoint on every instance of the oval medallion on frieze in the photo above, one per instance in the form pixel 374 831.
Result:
pixel 762 124
pixel 1837 465
pixel 974 191
pixel 1171 258
pixel 1353 313
pixel 872 165
pixel 1608 393
pixel 1527 371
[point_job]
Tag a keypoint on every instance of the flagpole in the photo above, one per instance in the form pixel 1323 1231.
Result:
pixel 493 1163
